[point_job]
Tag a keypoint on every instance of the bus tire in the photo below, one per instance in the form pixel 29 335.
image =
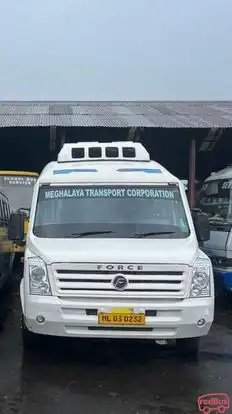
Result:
pixel 188 347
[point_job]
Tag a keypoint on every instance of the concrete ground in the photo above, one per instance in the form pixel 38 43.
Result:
pixel 112 377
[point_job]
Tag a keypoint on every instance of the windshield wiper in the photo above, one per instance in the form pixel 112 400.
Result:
pixel 89 233
pixel 153 233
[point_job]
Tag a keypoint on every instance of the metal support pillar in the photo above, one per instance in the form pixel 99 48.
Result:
pixel 131 134
pixel 63 138
pixel 52 138
pixel 135 134
pixel 192 174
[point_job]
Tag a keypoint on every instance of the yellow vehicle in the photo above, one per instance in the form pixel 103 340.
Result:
pixel 18 187
pixel 6 254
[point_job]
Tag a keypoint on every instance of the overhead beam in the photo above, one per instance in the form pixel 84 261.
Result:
pixel 52 141
pixel 192 174
pixel 134 134
pixel 211 139
pixel 63 137
pixel 131 134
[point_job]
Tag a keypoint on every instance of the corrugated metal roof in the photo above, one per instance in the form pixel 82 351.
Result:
pixel 116 114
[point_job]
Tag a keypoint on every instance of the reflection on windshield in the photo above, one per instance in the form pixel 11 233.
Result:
pixel 19 197
pixel 215 199
pixel 107 211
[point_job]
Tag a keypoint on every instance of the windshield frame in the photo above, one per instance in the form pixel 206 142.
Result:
pixel 108 232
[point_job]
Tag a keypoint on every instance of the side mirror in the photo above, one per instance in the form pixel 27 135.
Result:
pixel 201 224
pixel 16 227
pixel 25 211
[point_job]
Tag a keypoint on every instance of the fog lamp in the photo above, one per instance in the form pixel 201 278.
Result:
pixel 201 322
pixel 40 319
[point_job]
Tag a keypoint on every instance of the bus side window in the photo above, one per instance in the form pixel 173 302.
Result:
pixel 1 211
pixel 8 211
pixel 5 212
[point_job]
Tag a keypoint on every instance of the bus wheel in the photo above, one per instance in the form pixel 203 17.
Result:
pixel 188 347
pixel 30 340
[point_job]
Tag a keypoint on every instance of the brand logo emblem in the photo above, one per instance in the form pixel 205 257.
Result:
pixel 120 267
pixel 213 403
pixel 120 282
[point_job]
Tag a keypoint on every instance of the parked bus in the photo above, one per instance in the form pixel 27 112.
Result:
pixel 112 231
pixel 215 199
pixel 18 187
pixel 6 254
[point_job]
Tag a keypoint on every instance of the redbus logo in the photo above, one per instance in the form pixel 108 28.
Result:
pixel 217 403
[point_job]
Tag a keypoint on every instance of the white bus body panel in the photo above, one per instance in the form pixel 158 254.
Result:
pixel 78 296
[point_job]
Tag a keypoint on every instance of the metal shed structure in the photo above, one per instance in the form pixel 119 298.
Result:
pixel 148 114
pixel 193 128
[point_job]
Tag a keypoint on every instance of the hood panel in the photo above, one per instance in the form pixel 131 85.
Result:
pixel 181 251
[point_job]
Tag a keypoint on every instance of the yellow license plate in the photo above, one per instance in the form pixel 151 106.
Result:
pixel 117 318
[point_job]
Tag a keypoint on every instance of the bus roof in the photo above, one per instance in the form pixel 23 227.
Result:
pixel 97 172
pixel 112 162
pixel 224 174
pixel 25 173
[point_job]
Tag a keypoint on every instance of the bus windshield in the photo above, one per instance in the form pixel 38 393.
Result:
pixel 106 211
pixel 18 189
pixel 215 199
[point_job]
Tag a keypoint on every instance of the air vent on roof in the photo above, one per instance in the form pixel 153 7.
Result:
pixel 112 152
pixel 128 152
pixel 95 152
pixel 99 151
pixel 78 153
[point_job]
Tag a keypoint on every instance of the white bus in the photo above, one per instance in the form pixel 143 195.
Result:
pixel 215 199
pixel 113 252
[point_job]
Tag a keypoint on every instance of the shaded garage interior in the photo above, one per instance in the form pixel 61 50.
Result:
pixel 32 133
pixel 30 148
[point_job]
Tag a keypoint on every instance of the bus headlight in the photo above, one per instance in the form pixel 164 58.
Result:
pixel 200 284
pixel 38 277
